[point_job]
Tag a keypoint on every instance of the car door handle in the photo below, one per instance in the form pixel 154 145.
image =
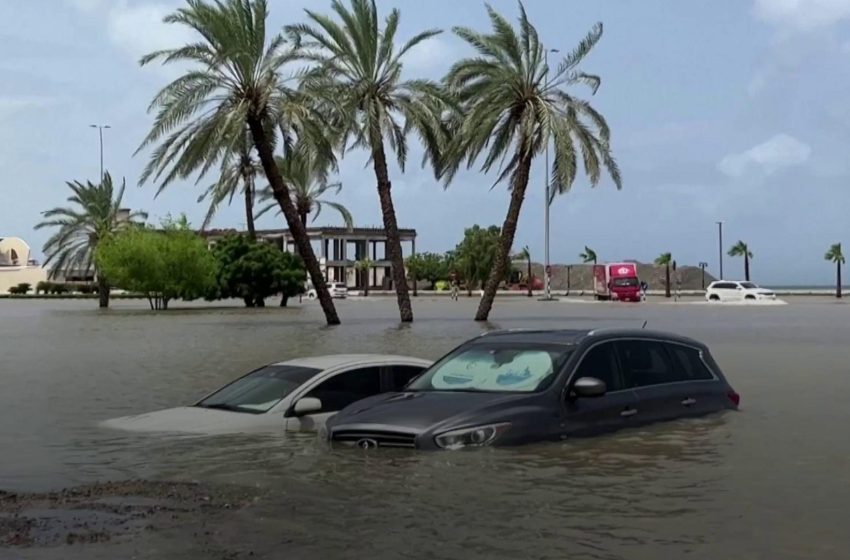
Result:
pixel 689 401
pixel 629 412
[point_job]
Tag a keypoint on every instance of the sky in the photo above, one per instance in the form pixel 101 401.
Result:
pixel 731 110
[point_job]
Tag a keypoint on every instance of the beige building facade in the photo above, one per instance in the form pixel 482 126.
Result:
pixel 17 265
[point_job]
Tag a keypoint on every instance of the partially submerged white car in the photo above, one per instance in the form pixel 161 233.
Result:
pixel 728 290
pixel 297 395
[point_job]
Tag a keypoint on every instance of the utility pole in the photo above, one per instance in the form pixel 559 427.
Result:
pixel 100 128
pixel 547 269
pixel 720 246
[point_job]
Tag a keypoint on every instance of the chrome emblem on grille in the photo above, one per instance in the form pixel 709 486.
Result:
pixel 367 443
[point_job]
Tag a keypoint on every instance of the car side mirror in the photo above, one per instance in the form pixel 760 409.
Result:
pixel 307 405
pixel 589 387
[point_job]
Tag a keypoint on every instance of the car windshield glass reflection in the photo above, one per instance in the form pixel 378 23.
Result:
pixel 748 286
pixel 625 282
pixel 260 390
pixel 495 368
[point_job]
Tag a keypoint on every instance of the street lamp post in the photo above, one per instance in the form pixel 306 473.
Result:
pixel 703 266
pixel 547 285
pixel 100 128
pixel 720 246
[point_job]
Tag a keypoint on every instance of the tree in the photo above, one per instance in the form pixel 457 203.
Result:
pixel 836 256
pixel 589 255
pixel 665 260
pixel 238 167
pixel 163 265
pixel 358 74
pixel 308 181
pixel 364 266
pixel 94 216
pixel 475 255
pixel 512 107
pixel 525 254
pixel 740 249
pixel 428 266
pixel 253 271
pixel 235 78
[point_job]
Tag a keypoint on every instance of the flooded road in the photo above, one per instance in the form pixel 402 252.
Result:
pixel 770 481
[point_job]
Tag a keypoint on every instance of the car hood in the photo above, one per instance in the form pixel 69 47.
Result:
pixel 193 420
pixel 421 411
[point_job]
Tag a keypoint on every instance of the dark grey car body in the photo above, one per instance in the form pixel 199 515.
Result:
pixel 651 377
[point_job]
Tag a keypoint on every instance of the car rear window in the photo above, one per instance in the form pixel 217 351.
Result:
pixel 690 362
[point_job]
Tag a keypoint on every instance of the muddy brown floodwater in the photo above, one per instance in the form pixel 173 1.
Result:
pixel 771 481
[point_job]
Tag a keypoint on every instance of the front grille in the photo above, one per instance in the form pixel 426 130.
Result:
pixel 373 438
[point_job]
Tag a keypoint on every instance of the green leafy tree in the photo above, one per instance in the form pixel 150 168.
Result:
pixel 740 249
pixel 665 260
pixel 476 254
pixel 235 77
pixel 168 264
pixel 358 74
pixel 94 215
pixel 513 107
pixel 588 256
pixel 432 267
pixel 308 181
pixel 238 168
pixel 835 255
pixel 363 266
pixel 253 271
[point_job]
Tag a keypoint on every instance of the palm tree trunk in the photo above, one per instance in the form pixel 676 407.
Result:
pixel 507 237
pixel 296 227
pixel 249 205
pixel 838 283
pixel 667 281
pixel 529 277
pixel 303 216
pixel 102 292
pixel 379 160
pixel 746 267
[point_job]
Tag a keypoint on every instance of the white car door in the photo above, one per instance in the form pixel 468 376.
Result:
pixel 335 392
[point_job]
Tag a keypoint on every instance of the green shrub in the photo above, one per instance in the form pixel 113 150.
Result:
pixel 441 285
pixel 24 287
pixel 43 287
pixel 59 289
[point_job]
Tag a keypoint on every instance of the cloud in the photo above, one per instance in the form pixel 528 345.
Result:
pixel 802 15
pixel 139 29
pixel 779 151
pixel 13 105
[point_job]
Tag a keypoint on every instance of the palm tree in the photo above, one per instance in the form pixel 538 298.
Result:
pixel 526 255
pixel 835 255
pixel 589 255
pixel 364 266
pixel 234 80
pixel 665 259
pixel 238 166
pixel 358 74
pixel 513 107
pixel 95 215
pixel 740 249
pixel 308 182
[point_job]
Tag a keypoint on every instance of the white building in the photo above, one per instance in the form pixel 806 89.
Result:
pixel 17 266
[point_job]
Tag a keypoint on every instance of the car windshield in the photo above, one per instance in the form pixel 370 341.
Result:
pixel 625 282
pixel 500 368
pixel 260 390
pixel 748 286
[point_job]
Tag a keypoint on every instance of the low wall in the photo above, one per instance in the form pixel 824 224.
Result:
pixel 13 275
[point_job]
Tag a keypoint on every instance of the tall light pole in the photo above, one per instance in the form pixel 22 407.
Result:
pixel 720 246
pixel 547 285
pixel 100 128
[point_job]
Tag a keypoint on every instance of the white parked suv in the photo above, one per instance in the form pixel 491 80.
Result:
pixel 727 290
pixel 337 290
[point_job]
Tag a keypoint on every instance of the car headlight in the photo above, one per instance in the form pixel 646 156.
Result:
pixel 477 436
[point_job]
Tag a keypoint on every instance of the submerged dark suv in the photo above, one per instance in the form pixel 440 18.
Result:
pixel 520 386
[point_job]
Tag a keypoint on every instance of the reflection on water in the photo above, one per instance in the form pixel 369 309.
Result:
pixel 770 481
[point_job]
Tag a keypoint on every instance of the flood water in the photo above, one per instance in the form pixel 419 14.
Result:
pixel 771 481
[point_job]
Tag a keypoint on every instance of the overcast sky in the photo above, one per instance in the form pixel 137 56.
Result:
pixel 733 110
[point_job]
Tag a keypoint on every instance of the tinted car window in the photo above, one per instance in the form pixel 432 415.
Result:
pixel 645 363
pixel 725 286
pixel 689 363
pixel 601 362
pixel 259 390
pixel 400 376
pixel 625 282
pixel 341 390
